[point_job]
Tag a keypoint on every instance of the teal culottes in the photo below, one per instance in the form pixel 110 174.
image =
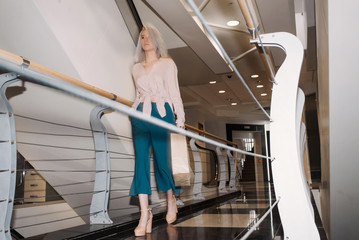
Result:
pixel 145 136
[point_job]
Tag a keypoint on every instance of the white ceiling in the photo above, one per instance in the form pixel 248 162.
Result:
pixel 195 72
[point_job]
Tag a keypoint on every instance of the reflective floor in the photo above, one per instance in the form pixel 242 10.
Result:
pixel 224 216
pixel 228 220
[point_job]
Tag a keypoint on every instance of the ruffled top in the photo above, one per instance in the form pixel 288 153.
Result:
pixel 160 85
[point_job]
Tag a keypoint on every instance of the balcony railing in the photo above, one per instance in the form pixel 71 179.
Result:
pixel 100 178
pixel 78 173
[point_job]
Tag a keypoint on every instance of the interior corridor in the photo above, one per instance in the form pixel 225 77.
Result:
pixel 227 220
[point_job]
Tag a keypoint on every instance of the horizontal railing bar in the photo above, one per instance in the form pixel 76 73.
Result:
pixel 209 134
pixel 66 194
pixel 126 154
pixel 52 146
pixel 121 177
pixel 51 81
pixel 65 170
pixel 38 68
pixel 128 158
pixel 123 171
pixel 19 61
pixel 71 184
pixel 70 159
pixel 55 134
pixel 126 208
pixel 53 123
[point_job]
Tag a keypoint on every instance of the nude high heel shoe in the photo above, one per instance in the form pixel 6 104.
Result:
pixel 170 218
pixel 142 230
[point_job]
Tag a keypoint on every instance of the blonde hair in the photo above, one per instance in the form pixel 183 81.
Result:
pixel 157 42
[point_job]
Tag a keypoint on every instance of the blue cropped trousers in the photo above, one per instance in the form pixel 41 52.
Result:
pixel 145 136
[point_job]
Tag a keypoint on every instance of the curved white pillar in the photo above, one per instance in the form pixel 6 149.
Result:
pixel 301 133
pixel 294 208
pixel 101 194
pixel 198 182
pixel 222 171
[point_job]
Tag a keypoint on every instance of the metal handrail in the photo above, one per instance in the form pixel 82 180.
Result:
pixel 38 74
pixel 225 55
pixel 247 10
pixel 260 220
pixel 36 67
pixel 24 63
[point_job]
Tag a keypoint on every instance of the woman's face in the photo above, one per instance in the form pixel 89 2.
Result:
pixel 146 41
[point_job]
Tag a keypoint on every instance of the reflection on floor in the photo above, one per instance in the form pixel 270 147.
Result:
pixel 229 220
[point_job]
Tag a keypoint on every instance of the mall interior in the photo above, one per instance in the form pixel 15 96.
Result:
pixel 270 144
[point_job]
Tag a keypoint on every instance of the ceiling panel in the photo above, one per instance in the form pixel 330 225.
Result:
pixel 174 13
pixel 147 15
pixel 188 98
pixel 221 11
pixel 241 92
pixel 191 69
pixel 235 43
pixel 193 72
pixel 210 93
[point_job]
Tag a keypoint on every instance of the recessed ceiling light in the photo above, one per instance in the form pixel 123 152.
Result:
pixel 212 82
pixel 221 91
pixel 263 94
pixel 254 76
pixel 233 103
pixel 260 86
pixel 232 23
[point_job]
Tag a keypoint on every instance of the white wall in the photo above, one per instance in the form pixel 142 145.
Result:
pixel 338 118
pixel 87 40
pixel 344 118
pixel 321 8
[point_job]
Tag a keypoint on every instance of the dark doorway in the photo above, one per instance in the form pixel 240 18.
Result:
pixel 246 133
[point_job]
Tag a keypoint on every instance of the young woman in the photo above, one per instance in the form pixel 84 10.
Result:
pixel 157 93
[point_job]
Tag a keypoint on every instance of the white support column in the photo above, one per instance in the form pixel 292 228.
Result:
pixel 198 182
pixel 100 197
pixel 222 171
pixel 294 208
pixel 8 157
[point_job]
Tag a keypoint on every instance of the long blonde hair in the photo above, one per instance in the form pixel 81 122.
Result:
pixel 157 42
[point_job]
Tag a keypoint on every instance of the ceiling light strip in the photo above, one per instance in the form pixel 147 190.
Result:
pixel 209 31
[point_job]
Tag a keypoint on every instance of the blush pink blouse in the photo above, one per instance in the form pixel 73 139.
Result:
pixel 160 85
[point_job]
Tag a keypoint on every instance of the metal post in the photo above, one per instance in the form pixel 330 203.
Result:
pixel 8 157
pixel 222 171
pixel 100 197
pixel 232 176
pixel 197 186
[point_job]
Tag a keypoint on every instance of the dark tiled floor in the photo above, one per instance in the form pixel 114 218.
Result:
pixel 228 220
